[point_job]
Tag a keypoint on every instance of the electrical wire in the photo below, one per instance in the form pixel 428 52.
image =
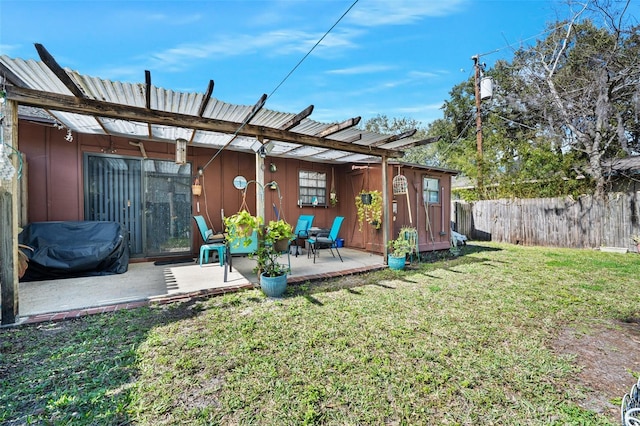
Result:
pixel 458 138
pixel 286 77
pixel 510 45
pixel 312 49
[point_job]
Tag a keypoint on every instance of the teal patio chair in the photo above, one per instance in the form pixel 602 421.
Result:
pixel 212 242
pixel 301 231
pixel 329 241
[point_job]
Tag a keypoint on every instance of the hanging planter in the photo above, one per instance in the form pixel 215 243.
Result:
pixel 333 199
pixel 196 188
pixel 369 208
pixel 333 196
pixel 240 226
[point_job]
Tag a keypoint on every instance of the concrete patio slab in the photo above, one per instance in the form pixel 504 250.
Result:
pixel 146 283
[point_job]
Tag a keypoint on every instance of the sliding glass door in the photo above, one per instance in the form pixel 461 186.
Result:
pixel 151 198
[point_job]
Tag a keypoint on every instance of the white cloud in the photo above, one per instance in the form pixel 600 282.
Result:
pixel 422 74
pixel 272 43
pixel 401 12
pixel 361 69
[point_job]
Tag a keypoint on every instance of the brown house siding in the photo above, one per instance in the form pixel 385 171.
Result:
pixel 55 184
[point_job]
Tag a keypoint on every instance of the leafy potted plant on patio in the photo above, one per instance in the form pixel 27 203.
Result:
pixel 398 251
pixel 273 275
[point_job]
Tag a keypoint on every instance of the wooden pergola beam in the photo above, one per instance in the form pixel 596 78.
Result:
pixel 51 63
pixel 354 138
pixel 206 99
pixel 98 108
pixel 297 119
pixel 9 75
pixel 257 107
pixel 338 127
pixel 394 138
pixel 147 97
pixel 421 142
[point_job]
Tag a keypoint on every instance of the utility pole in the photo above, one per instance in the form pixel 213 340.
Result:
pixel 477 68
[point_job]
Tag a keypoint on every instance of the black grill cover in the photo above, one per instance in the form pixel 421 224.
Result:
pixel 74 249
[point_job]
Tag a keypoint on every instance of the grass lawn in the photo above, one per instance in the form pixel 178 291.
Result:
pixel 459 342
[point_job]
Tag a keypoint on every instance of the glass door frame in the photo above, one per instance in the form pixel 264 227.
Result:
pixel 139 195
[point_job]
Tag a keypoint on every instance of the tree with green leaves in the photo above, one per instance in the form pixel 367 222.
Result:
pixel 581 87
pixel 560 109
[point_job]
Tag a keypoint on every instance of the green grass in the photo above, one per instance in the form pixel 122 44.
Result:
pixel 462 341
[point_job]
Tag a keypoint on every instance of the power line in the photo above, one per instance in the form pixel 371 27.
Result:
pixel 312 49
pixel 510 45
pixel 235 135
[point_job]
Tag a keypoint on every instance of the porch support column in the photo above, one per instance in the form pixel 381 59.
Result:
pixel 260 210
pixel 9 223
pixel 386 223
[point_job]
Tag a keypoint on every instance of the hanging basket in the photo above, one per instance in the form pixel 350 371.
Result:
pixel 281 246
pixel 196 188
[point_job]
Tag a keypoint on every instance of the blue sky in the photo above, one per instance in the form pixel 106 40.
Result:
pixel 398 58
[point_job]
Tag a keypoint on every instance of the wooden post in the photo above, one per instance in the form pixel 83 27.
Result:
pixel 260 207
pixel 479 159
pixel 386 211
pixel 9 223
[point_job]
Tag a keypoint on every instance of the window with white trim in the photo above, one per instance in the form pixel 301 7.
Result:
pixel 312 188
pixel 431 190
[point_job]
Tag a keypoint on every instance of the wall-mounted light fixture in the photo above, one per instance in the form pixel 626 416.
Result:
pixel 262 149
pixel 181 151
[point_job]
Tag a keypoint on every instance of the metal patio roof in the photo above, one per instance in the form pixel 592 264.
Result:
pixel 39 76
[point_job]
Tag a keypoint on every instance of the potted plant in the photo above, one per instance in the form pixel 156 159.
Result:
pixel 398 251
pixel 333 198
pixel 273 275
pixel 240 226
pixel 278 234
pixel 369 208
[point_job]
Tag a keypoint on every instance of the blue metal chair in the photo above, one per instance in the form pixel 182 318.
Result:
pixel 212 242
pixel 208 236
pixel 329 241
pixel 301 231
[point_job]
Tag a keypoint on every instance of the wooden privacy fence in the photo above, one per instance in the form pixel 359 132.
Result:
pixel 585 222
